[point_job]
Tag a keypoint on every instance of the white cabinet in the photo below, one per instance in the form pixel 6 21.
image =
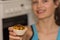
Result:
pixel 14 8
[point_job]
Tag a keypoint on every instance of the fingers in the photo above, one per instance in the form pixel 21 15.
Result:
pixel 14 37
pixel 10 29
pixel 12 33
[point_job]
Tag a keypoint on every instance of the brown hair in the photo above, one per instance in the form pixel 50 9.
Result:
pixel 57 14
pixel 54 0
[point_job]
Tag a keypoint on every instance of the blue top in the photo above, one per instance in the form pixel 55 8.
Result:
pixel 35 33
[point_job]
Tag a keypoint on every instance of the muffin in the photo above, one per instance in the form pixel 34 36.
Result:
pixel 19 29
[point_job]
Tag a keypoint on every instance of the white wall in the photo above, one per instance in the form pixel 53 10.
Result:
pixel 1 12
pixel 14 8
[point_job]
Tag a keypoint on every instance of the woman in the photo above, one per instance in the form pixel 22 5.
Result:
pixel 45 28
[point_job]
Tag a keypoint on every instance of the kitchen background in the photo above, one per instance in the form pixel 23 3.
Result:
pixel 11 9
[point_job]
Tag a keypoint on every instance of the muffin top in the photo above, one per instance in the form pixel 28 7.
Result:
pixel 19 27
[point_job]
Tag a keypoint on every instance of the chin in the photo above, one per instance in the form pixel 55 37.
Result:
pixel 41 17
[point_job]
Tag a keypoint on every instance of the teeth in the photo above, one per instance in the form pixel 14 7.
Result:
pixel 40 11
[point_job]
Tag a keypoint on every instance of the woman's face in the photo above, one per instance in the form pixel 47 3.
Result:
pixel 43 8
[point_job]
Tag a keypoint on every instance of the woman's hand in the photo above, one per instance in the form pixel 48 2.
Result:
pixel 13 36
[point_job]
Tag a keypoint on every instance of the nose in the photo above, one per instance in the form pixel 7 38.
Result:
pixel 39 5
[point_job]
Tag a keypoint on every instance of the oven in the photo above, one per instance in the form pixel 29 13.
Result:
pixel 8 22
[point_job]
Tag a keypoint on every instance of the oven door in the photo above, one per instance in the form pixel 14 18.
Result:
pixel 8 22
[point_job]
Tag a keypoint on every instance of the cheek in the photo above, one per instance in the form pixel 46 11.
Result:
pixel 34 8
pixel 50 8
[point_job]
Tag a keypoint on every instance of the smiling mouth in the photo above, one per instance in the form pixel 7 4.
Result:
pixel 40 11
